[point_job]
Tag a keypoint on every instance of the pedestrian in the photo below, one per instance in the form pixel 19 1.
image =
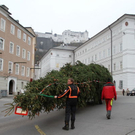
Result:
pixel 127 91
pixel 123 92
pixel 109 94
pixel 72 92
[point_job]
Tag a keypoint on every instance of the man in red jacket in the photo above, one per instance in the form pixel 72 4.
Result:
pixel 109 94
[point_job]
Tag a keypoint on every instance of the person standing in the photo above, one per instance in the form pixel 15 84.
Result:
pixel 123 92
pixel 109 94
pixel 72 92
pixel 127 91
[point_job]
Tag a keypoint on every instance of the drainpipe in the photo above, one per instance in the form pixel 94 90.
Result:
pixel 73 57
pixel 111 51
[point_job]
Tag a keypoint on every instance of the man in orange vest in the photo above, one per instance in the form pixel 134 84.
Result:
pixel 72 93
pixel 109 94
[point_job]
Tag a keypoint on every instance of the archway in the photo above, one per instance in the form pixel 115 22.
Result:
pixel 11 87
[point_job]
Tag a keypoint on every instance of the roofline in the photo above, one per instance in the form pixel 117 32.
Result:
pixel 105 29
pixel 32 30
pixel 54 49
pixel 5 10
pixel 21 25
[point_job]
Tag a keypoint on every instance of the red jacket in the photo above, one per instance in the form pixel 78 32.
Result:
pixel 109 91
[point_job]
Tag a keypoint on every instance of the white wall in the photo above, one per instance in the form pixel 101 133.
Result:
pixel 54 60
pixel 98 47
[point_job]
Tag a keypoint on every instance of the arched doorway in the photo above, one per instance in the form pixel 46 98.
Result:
pixel 11 87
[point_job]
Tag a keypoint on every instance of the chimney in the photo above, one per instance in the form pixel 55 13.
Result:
pixel 17 21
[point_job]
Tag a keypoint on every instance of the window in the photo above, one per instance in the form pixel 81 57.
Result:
pixel 88 60
pixel 85 61
pixel 114 66
pixel 28 72
pixel 120 47
pixel 92 59
pixel 104 54
pixel 109 52
pixel 121 65
pixel 19 33
pixel 3 24
pixel 29 41
pixel 95 57
pixel 10 67
pixel 23 71
pixel 22 85
pixel 17 69
pixel 82 51
pixel 99 55
pixel 70 56
pixel 1 64
pixel 121 84
pixel 24 37
pixel 11 47
pixel 18 50
pixel 114 49
pixel 57 55
pixel 109 67
pixel 1 43
pixel 12 29
pixel 28 55
pixel 23 53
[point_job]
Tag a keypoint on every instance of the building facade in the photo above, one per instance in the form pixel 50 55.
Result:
pixel 67 36
pixel 113 47
pixel 74 37
pixel 17 45
pixel 122 45
pixel 54 59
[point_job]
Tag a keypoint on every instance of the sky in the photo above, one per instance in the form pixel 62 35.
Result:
pixel 75 15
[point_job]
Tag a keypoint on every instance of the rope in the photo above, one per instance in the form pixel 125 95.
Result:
pixel 74 83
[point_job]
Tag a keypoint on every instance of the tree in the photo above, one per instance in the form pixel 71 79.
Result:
pixel 89 78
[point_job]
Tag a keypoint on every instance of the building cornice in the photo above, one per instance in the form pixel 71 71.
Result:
pixel 132 16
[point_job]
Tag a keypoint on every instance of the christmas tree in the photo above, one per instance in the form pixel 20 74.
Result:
pixel 89 78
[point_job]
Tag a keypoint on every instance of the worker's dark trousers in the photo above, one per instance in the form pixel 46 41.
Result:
pixel 70 110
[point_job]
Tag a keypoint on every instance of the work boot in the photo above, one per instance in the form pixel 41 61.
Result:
pixel 72 125
pixel 66 127
pixel 108 114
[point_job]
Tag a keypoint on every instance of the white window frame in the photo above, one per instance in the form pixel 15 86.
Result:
pixel 17 70
pixel 1 69
pixel 28 72
pixel 121 84
pixel 12 29
pixel 24 55
pixel 121 47
pixel 3 43
pixel 17 50
pixel 10 62
pixel 121 65
pixel 28 55
pixel 29 41
pixel 114 49
pixel 95 57
pixel 114 67
pixel 109 52
pixel 23 72
pixel 19 33
pixel 3 27
pixel 100 55
pixel 11 51
pixel 24 37
pixel 104 54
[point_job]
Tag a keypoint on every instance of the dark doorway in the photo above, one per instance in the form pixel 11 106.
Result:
pixel 11 87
